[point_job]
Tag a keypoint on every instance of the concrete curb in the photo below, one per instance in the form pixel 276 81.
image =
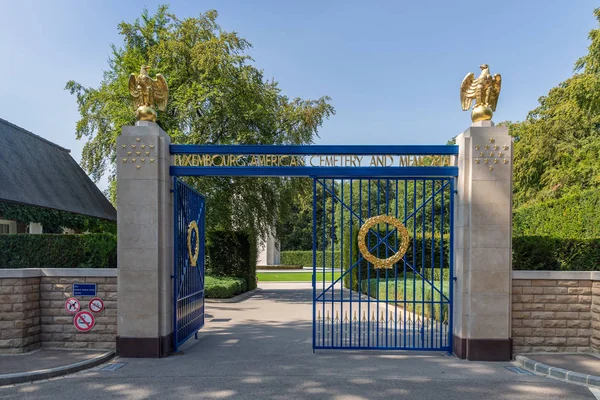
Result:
pixel 30 376
pixel 236 299
pixel 557 373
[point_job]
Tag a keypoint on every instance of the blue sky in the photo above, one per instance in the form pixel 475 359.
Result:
pixel 392 68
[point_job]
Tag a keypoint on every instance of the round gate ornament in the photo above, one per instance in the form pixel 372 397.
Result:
pixel 96 305
pixel 84 321
pixel 380 263
pixel 193 227
pixel 72 305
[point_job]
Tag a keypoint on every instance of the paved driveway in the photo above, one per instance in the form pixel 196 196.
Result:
pixel 261 349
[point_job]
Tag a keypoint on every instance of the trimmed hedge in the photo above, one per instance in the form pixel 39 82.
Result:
pixel 305 258
pixel 95 250
pixel 555 254
pixel 231 254
pixel 571 217
pixel 223 287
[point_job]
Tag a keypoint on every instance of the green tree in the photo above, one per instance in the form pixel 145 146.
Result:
pixel 557 147
pixel 217 96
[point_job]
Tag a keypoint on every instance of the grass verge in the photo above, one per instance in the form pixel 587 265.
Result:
pixel 418 295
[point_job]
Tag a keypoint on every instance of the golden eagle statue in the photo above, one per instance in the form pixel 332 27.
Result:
pixel 485 90
pixel 148 93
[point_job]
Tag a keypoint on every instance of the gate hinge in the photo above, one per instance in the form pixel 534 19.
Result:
pixel 455 191
pixel 172 276
pixel 172 191
pixel 454 278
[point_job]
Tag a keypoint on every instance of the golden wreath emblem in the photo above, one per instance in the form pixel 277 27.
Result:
pixel 380 263
pixel 193 227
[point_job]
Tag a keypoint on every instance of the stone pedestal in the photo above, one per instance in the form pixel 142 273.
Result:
pixel 482 244
pixel 145 242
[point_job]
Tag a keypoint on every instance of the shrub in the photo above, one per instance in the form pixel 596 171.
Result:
pixel 223 287
pixel 231 254
pixel 571 217
pixel 97 250
pixel 555 254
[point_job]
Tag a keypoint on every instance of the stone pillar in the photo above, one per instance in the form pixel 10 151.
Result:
pixel 145 242
pixel 482 244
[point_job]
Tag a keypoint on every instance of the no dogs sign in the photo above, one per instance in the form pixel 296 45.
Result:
pixel 72 305
pixel 84 321
pixel 96 305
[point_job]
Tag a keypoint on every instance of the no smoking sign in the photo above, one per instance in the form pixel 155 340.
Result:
pixel 84 321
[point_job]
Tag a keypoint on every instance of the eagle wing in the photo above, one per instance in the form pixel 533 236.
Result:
pixel 467 91
pixel 133 91
pixel 496 85
pixel 161 92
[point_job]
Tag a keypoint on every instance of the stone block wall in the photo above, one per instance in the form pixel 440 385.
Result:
pixel 551 315
pixel 57 326
pixel 19 315
pixel 33 315
pixel 595 314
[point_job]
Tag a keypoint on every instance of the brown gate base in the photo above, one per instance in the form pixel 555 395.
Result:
pixel 144 347
pixel 482 349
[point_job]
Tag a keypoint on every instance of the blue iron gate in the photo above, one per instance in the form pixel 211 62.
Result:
pixel 382 263
pixel 188 272
pixel 382 242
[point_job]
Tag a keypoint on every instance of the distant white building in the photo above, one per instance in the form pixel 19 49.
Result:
pixel 268 251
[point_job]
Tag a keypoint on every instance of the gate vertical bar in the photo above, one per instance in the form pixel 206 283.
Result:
pixel 358 257
pixel 333 311
pixel 351 260
pixel 442 262
pixel 341 264
pixel 175 275
pixel 314 274
pixel 451 262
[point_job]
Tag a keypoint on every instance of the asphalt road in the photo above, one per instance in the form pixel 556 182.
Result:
pixel 261 349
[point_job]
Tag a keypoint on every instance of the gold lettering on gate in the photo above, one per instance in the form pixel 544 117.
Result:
pixel 286 160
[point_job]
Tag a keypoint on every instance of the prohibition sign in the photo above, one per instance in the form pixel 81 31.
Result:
pixel 84 321
pixel 72 305
pixel 96 305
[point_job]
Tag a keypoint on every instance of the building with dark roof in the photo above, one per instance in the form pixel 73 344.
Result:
pixel 37 172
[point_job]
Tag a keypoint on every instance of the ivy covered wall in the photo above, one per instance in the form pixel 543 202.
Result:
pixel 54 220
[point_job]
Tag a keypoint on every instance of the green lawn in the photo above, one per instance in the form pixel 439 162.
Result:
pixel 292 276
pixel 421 298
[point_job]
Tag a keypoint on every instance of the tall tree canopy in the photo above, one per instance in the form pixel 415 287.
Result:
pixel 557 147
pixel 217 96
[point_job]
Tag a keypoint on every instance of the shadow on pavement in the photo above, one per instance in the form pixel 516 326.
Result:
pixel 261 348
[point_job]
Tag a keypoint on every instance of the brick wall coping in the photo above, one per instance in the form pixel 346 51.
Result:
pixel 75 272
pixel 566 275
